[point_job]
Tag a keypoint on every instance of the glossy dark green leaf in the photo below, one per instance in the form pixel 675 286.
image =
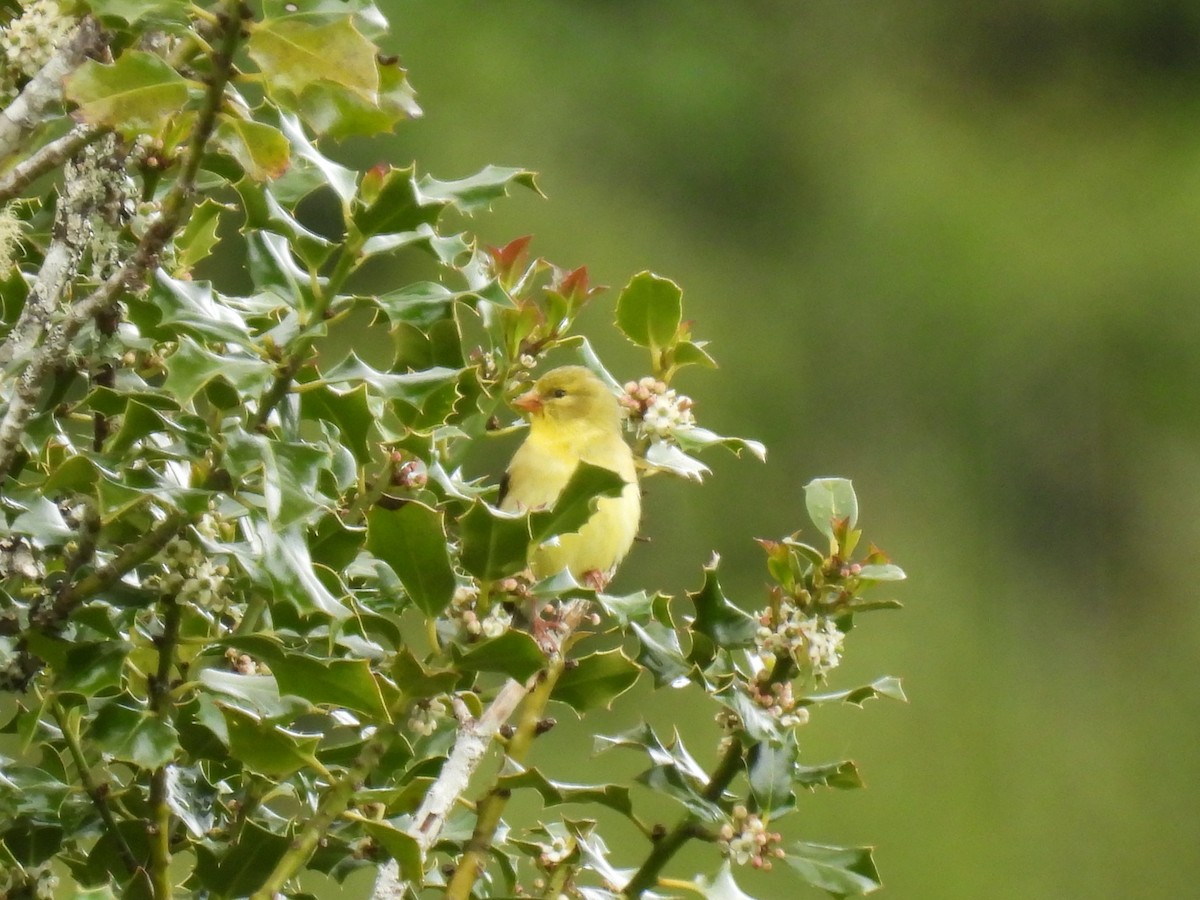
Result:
pixel 840 871
pixel 555 793
pixel 412 540
pixel 770 770
pixel 389 202
pixel 127 731
pixel 649 310
pixel 239 870
pixel 593 682
pixel 514 653
pixel 577 502
pixel 660 653
pixel 493 545
pixel 348 683
pixel 191 367
pixel 347 410
pixel 726 625
pixel 136 93
pixel 888 686
pixel 417 682
pixel 92 668
pixel 400 846
pixel 267 749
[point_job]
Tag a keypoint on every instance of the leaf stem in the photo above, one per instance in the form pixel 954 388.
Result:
pixel 688 827
pixel 529 726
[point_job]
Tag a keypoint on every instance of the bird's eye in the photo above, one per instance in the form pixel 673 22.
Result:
pixel 558 393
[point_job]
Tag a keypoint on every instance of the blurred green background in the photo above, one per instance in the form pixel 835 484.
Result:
pixel 952 252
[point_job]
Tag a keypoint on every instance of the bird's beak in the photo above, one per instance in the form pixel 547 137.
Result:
pixel 529 401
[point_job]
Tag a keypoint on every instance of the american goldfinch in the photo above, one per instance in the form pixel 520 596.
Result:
pixel 573 416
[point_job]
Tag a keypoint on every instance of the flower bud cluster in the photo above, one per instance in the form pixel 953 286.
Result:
pixel 192 574
pixel 779 701
pixel 746 840
pixel 496 621
pixel 814 642
pixel 426 715
pixel 245 664
pixel 32 38
pixel 657 410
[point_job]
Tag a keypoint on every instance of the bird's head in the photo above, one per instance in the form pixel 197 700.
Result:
pixel 570 395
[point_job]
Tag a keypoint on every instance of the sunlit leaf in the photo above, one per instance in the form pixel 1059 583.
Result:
pixel 134 94
pixel 649 310
pixel 841 871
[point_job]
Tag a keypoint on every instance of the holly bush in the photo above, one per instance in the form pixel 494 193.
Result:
pixel 254 618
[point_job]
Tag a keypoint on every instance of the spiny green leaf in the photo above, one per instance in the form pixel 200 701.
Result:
pixel 660 653
pixel 412 540
pixel 198 237
pixel 476 192
pixel 127 731
pixel 555 793
pixel 888 686
pixel 594 681
pixel 262 151
pixel 239 870
pixel 494 545
pixel 137 93
pixel 514 653
pixel 724 623
pixel 265 748
pixel 192 366
pixel 348 683
pixel 770 770
pixel 843 775
pixel 841 871
pixel 577 502
pixel 293 53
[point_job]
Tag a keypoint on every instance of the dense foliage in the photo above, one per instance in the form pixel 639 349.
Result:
pixel 253 616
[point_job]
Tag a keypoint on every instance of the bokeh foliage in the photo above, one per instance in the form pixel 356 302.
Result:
pixel 950 250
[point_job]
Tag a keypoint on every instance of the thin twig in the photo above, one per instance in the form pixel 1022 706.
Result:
pixel 46 158
pixel 688 827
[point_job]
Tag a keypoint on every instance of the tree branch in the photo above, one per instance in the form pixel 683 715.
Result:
pixel 474 739
pixel 668 845
pixel 26 111
pixel 46 158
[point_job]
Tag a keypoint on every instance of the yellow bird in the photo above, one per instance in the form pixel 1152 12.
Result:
pixel 573 416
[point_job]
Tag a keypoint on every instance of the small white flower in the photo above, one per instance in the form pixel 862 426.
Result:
pixel 32 38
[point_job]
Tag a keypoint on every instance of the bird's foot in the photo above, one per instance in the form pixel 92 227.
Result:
pixel 595 579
